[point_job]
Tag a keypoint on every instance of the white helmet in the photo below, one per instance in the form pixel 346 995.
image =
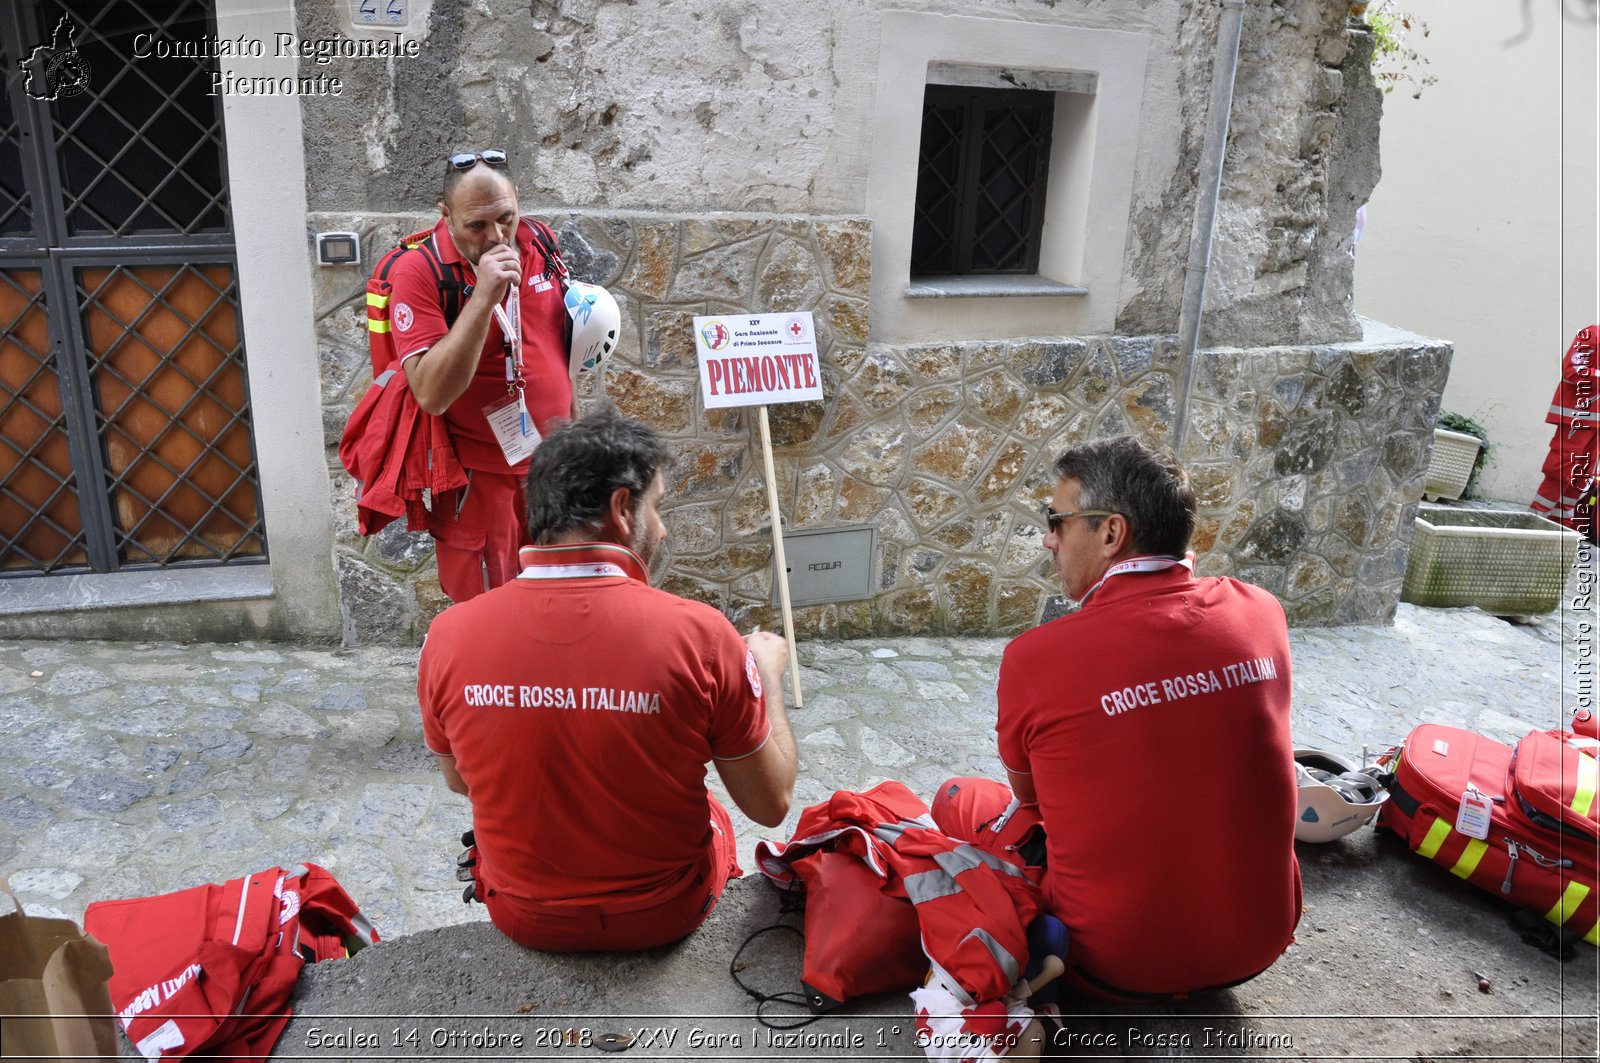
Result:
pixel 596 322
pixel 1336 797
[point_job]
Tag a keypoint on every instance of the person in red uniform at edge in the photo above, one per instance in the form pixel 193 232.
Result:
pixel 460 371
pixel 577 707
pixel 1150 728
pixel 1567 493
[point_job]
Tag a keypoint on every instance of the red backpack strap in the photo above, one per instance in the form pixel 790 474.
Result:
pixel 544 238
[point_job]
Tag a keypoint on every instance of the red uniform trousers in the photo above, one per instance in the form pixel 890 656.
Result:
pixel 618 925
pixel 477 532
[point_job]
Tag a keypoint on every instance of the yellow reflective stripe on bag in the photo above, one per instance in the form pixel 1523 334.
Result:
pixel 379 301
pixel 1435 838
pixel 1570 899
pixel 376 325
pixel 1469 859
pixel 1588 779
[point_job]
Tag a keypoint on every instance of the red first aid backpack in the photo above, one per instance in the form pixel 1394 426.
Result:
pixel 380 334
pixel 1522 823
pixel 380 343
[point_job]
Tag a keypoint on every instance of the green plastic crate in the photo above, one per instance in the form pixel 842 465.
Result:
pixel 1504 562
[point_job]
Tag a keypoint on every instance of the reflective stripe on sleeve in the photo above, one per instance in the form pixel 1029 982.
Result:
pixel 1008 963
pixel 888 832
pixel 892 832
pixel 927 886
pixel 961 858
pixel 970 857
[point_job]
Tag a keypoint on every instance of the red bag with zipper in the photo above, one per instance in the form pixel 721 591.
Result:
pixel 1522 823
pixel 209 971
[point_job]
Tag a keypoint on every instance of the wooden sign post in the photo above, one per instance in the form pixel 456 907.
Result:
pixel 758 360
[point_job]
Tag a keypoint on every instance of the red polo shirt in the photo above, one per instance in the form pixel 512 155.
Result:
pixel 1155 724
pixel 581 706
pixel 417 317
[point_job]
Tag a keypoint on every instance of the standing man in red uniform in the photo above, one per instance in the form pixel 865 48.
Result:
pixel 504 357
pixel 1151 729
pixel 1567 493
pixel 577 707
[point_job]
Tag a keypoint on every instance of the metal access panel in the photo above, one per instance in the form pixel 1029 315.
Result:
pixel 829 564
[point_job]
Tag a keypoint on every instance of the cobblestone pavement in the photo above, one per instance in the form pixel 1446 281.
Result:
pixel 133 769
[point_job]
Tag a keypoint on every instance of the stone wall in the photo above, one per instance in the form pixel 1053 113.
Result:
pixel 1307 438
pixel 663 270
pixel 1302 156
pixel 1308 464
pixel 774 114
pixel 1308 460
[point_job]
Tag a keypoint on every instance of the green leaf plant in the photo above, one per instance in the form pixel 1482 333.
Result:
pixel 1395 58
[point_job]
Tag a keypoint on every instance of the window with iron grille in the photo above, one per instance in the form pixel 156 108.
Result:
pixel 125 434
pixel 981 172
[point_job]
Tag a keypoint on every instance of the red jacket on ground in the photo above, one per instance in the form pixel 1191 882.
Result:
pixel 973 908
pixel 209 970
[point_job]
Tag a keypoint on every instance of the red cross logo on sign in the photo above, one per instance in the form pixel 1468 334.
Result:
pixel 796 329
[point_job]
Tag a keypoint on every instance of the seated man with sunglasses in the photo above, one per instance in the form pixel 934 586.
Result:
pixel 496 372
pixel 1150 731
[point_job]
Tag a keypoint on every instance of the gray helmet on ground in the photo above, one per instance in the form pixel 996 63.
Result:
pixel 596 322
pixel 1336 796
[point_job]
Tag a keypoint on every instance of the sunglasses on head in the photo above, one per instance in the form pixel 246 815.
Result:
pixel 466 160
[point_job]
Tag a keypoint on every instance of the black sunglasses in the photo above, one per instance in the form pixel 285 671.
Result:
pixel 466 160
pixel 1052 519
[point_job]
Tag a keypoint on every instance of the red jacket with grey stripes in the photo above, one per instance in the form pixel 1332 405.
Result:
pixel 973 908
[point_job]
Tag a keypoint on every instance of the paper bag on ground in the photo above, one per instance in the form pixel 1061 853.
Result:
pixel 54 1003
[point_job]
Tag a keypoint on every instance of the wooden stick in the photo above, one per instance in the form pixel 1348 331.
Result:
pixel 1050 969
pixel 777 553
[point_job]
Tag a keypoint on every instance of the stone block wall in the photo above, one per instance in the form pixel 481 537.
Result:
pixel 664 270
pixel 599 111
pixel 1308 460
pixel 1308 464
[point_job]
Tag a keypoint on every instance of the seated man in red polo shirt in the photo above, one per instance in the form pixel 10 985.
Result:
pixel 577 707
pixel 1151 729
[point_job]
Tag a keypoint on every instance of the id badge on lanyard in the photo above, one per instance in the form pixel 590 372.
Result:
pixel 508 419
